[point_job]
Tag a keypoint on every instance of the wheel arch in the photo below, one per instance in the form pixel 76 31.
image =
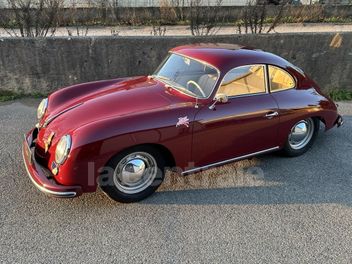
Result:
pixel 169 157
pixel 325 120
pixel 320 118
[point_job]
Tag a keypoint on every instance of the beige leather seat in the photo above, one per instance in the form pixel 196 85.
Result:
pixel 207 82
pixel 280 79
pixel 250 83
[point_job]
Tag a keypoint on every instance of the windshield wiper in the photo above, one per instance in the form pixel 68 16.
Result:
pixel 161 77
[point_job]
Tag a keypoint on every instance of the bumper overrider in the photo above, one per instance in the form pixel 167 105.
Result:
pixel 37 174
pixel 339 121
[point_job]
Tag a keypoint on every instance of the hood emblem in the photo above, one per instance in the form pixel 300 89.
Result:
pixel 47 142
pixel 183 121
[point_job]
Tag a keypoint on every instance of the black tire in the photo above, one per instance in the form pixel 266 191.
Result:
pixel 109 186
pixel 289 151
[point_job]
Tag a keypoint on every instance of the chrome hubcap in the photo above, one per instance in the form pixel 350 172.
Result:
pixel 135 172
pixel 301 134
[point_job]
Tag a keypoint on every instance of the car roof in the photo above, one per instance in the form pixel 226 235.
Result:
pixel 228 56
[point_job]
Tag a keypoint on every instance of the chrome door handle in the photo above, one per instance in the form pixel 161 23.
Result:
pixel 271 115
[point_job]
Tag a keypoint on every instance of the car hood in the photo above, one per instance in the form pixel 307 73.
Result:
pixel 101 100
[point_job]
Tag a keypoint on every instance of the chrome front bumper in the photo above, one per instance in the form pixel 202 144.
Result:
pixel 38 177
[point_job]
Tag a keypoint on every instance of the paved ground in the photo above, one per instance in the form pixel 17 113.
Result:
pixel 185 30
pixel 267 210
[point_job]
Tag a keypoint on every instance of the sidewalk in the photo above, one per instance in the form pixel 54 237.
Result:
pixel 184 30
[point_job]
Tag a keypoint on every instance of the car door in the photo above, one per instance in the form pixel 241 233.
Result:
pixel 246 124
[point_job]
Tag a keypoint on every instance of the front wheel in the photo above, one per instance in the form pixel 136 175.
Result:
pixel 133 175
pixel 301 137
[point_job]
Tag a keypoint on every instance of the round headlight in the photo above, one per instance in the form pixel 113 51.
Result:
pixel 42 108
pixel 63 149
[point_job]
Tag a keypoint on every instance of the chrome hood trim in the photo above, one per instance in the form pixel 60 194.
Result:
pixel 51 118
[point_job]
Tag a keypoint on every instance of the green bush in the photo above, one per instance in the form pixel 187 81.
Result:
pixel 340 95
pixel 9 95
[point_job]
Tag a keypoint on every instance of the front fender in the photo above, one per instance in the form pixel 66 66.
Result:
pixel 94 144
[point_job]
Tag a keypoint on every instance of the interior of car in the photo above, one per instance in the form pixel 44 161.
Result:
pixel 280 79
pixel 244 80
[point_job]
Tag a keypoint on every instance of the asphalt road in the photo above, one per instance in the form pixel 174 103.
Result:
pixel 265 210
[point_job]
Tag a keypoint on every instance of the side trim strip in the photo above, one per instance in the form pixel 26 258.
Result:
pixel 229 160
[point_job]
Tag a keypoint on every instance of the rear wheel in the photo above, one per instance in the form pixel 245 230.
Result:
pixel 133 175
pixel 301 137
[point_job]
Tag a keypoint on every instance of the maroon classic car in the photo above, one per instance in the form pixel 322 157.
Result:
pixel 206 105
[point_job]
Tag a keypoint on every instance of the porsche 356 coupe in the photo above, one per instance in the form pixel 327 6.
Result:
pixel 206 105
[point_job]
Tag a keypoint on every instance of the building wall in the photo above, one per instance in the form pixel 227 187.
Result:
pixel 44 65
pixel 142 15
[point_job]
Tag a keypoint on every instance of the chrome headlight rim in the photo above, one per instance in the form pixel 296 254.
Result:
pixel 42 107
pixel 60 158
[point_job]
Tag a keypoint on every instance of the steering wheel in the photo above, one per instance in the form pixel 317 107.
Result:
pixel 197 86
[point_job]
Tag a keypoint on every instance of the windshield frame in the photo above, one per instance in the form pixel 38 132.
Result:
pixel 191 58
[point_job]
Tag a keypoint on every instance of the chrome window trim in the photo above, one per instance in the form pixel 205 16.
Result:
pixel 253 94
pixel 246 95
pixel 283 89
pixel 229 160
pixel 200 61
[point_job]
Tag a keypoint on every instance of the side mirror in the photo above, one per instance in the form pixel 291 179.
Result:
pixel 219 98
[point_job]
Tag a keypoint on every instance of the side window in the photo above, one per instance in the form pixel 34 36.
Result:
pixel 244 80
pixel 280 79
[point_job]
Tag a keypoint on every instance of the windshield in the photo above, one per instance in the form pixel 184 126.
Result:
pixel 189 76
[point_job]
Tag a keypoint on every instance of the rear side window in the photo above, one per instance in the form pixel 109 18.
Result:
pixel 244 80
pixel 280 79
